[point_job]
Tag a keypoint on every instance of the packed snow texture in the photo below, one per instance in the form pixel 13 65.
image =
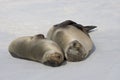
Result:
pixel 29 17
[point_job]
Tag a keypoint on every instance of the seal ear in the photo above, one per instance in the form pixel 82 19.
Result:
pixel 89 28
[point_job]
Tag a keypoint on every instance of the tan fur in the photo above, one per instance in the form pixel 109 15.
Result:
pixel 37 49
pixel 65 36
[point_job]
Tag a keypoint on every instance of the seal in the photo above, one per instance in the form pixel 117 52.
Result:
pixel 37 48
pixel 73 38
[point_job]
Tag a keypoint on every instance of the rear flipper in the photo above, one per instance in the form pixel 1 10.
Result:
pixel 79 26
pixel 89 28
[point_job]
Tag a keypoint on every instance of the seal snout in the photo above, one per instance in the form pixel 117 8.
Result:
pixel 54 60
pixel 75 52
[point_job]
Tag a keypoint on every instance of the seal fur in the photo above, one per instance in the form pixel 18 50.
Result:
pixel 37 48
pixel 73 38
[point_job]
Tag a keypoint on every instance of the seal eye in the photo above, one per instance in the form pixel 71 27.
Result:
pixel 58 56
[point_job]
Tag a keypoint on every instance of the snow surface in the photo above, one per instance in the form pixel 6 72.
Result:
pixel 30 17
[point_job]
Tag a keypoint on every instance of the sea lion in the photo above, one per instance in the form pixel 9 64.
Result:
pixel 37 48
pixel 73 38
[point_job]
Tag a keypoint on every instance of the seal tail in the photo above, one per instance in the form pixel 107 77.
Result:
pixel 89 28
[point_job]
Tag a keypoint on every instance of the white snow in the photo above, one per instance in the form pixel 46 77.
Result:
pixel 30 17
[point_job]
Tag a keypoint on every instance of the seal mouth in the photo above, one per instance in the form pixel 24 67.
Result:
pixel 52 63
pixel 75 52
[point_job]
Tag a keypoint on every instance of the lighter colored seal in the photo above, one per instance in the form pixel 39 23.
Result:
pixel 73 38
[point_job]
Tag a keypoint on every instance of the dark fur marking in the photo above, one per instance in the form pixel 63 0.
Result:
pixel 65 23
pixel 85 29
pixel 79 26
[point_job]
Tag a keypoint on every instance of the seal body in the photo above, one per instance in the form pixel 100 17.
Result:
pixel 37 48
pixel 73 38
